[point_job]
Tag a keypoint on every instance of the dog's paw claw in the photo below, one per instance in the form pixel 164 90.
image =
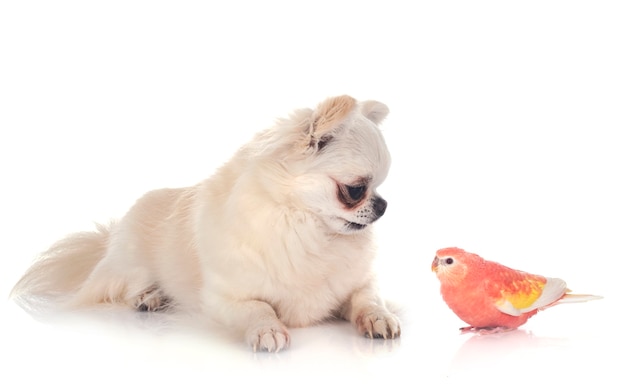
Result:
pixel 378 324
pixel 270 339
pixel 151 300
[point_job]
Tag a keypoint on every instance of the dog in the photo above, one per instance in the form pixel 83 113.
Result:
pixel 280 236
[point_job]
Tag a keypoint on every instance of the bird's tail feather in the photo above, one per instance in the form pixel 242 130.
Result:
pixel 569 298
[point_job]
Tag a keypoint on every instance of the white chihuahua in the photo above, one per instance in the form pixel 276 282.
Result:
pixel 279 237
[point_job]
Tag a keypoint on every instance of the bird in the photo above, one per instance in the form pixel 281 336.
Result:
pixel 491 297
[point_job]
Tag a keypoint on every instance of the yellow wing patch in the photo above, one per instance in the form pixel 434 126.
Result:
pixel 525 295
pixel 520 296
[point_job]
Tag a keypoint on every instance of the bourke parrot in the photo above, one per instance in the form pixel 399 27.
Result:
pixel 492 297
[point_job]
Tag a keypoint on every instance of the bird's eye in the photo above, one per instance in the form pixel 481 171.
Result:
pixel 449 261
pixel 356 193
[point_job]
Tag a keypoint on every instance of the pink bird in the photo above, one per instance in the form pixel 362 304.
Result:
pixel 492 297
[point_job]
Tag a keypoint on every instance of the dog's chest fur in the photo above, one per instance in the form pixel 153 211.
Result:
pixel 310 298
pixel 306 280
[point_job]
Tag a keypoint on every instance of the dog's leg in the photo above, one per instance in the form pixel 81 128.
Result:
pixel 368 313
pixel 257 320
pixel 120 284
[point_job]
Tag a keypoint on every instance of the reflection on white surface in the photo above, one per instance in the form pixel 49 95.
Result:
pixel 127 347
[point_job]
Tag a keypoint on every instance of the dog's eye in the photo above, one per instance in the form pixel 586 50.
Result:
pixel 351 195
pixel 356 193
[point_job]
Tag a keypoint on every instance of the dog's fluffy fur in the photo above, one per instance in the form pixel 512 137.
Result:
pixel 279 237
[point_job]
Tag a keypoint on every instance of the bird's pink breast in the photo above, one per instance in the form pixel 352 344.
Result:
pixel 474 307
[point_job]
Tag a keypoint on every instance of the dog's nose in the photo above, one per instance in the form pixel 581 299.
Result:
pixel 380 205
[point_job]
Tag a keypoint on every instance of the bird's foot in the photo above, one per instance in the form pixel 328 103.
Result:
pixel 485 330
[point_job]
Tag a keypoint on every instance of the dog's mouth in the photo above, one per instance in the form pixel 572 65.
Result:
pixel 355 226
pixel 344 226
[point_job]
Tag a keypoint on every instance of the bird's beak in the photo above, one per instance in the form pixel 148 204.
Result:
pixel 435 265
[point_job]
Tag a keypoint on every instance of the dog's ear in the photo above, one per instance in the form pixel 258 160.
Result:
pixel 328 116
pixel 375 111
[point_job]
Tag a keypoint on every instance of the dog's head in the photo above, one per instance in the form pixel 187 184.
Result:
pixel 336 158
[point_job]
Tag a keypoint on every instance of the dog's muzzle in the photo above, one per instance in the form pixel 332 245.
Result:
pixel 379 207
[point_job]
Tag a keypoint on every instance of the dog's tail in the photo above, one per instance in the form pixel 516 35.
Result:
pixel 64 267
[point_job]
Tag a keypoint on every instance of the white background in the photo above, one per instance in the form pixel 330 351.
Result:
pixel 507 135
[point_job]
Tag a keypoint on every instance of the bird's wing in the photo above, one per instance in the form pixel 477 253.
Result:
pixel 527 294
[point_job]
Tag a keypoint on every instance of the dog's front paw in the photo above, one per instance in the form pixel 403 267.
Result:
pixel 271 338
pixel 378 323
